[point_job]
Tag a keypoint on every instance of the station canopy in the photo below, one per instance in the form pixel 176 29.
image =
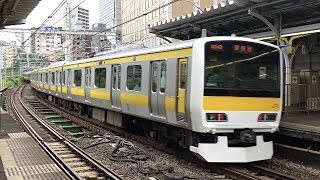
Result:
pixel 233 18
pixel 13 12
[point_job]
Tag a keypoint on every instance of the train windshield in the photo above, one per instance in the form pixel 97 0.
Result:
pixel 239 68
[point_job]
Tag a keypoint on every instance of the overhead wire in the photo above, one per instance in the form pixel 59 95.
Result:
pixel 69 12
pixel 46 20
pixel 142 15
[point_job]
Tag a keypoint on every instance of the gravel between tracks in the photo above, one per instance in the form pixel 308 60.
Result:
pixel 295 169
pixel 130 170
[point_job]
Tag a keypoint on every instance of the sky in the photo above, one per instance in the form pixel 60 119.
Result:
pixel 45 8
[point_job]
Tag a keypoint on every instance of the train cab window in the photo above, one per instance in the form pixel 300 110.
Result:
pixel 52 78
pixel 77 78
pixel 183 75
pixel 134 78
pixel 100 76
pixel 163 77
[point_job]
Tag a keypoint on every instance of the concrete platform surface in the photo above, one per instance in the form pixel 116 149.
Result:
pixel 301 125
pixel 21 158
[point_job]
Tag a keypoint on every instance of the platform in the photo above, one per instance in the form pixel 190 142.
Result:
pixel 301 125
pixel 21 157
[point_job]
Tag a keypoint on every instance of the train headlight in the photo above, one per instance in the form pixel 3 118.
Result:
pixel 267 117
pixel 217 117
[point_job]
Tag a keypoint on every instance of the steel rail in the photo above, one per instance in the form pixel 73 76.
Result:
pixel 66 169
pixel 75 148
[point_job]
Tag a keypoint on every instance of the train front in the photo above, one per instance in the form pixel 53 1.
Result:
pixel 240 98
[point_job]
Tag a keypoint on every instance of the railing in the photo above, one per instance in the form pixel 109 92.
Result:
pixel 302 97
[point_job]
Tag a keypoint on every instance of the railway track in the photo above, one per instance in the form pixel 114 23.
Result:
pixel 75 162
pixel 248 171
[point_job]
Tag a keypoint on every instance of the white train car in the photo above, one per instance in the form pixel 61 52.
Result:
pixel 220 97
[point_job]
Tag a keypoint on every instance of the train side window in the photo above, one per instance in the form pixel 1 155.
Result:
pixel 119 76
pixel 52 78
pixel 47 78
pixel 183 75
pixel 77 78
pixel 100 75
pixel 154 77
pixel 134 77
pixel 63 77
pixel 163 77
pixel 114 78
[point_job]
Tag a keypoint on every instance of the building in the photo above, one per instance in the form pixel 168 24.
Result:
pixel 10 53
pixel 141 13
pixel 77 47
pixel 102 42
pixel 110 15
pixel 78 19
pixel 48 45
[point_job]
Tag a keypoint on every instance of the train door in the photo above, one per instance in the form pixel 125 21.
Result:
pixel 87 83
pixel 182 84
pixel 158 89
pixel 115 87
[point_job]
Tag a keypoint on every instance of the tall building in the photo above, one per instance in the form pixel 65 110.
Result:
pixel 78 19
pixel 10 53
pixel 102 42
pixel 142 13
pixel 49 45
pixel 110 15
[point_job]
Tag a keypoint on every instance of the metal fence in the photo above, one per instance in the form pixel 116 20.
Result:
pixel 302 92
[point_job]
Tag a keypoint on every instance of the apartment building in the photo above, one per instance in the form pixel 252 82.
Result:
pixel 140 13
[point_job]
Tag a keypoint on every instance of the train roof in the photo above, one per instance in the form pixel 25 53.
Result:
pixel 134 52
pixel 167 47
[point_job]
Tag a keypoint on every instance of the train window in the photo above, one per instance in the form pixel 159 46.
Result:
pixel 183 75
pixel 119 76
pixel 163 77
pixel 52 78
pixel 77 78
pixel 47 78
pixel 154 77
pixel 134 77
pixel 114 74
pixel 100 75
pixel 63 77
pixel 59 78
pixel 41 78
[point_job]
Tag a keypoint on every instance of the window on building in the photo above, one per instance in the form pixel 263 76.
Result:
pixel 134 77
pixel 100 75
pixel 77 78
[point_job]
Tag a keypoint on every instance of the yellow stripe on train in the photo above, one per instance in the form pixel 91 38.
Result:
pixel 226 103
pixel 100 94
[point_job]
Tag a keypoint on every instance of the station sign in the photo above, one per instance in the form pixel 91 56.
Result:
pixel 50 28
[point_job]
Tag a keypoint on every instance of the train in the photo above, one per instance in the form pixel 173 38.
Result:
pixel 218 97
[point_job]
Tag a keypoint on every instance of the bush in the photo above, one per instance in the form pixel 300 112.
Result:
pixel 13 82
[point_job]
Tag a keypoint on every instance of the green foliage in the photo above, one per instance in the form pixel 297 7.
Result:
pixel 11 82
